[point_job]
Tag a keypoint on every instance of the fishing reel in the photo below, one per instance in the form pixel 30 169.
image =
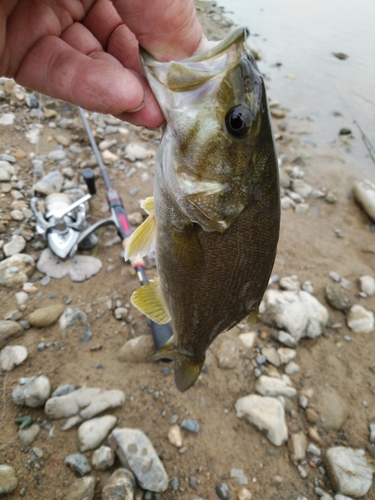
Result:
pixel 64 221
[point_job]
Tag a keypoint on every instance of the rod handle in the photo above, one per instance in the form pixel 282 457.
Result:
pixel 89 178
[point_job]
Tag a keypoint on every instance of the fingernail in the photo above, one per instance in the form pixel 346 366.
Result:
pixel 136 109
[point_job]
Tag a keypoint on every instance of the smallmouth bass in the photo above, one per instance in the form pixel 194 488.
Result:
pixel 214 218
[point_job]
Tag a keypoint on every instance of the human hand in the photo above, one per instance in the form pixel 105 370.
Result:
pixel 86 51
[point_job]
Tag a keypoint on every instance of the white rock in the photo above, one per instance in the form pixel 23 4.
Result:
pixel 271 355
pixel 12 356
pixel 16 270
pixel 21 298
pixel 342 497
pixel 367 284
pixel 266 414
pixel 137 151
pixel 103 458
pixel 270 386
pixel 8 479
pixel 290 283
pixel 297 445
pixel 299 313
pixel 175 435
pixel 227 354
pixel 107 143
pixel 291 368
pixel 348 471
pixel 7 119
pixel 360 319
pixel 286 355
pixel 109 157
pixel 92 432
pixel 248 339
pixel 364 193
pixel 33 391
pixel 86 402
pixel 15 245
pixel 307 286
pixel 371 426
pixel 50 183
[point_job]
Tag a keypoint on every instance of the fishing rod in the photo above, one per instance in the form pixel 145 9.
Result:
pixel 160 333
pixel 370 148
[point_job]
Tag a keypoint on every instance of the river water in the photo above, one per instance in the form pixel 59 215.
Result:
pixel 312 83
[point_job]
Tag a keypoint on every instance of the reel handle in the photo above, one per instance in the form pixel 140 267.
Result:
pixel 89 178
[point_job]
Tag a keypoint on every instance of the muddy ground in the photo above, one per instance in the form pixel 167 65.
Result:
pixel 308 248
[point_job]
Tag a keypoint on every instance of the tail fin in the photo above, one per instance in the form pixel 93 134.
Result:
pixel 186 370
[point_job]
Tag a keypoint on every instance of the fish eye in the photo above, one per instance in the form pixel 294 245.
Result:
pixel 238 121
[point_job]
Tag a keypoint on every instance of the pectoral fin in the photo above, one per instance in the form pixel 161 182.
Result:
pixel 142 241
pixel 148 205
pixel 149 300
pixel 186 370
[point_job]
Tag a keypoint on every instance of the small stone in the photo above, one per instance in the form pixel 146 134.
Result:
pixel 371 426
pixel 21 298
pixel 175 436
pixel 107 144
pixel 32 392
pixel 190 425
pixel 80 268
pixel 92 432
pixel 63 389
pixel 16 215
pixel 348 471
pixel 9 330
pixel 308 287
pixel 57 155
pixel 297 446
pixel 285 338
pixel 137 152
pixel 16 270
pixel 49 113
pixel 314 435
pixel 270 386
pixel 46 316
pixel 291 368
pixel 50 183
pixel 247 339
pixel 28 436
pixel 342 497
pixel 82 489
pixel 16 245
pixel 138 350
pixel 367 285
pixel 244 494
pixel 103 458
pixel 313 450
pixel 135 218
pixel 223 491
pixel 78 463
pixel 290 283
pixel 227 354
pixel 109 157
pixel 271 355
pixel 7 119
pixel 120 486
pixel 360 320
pixel 239 476
pixel 63 140
pixel 134 450
pixel 311 416
pixel 337 298
pixel 266 414
pixel 8 479
pixel 286 355
pixel 12 356
pixel 364 193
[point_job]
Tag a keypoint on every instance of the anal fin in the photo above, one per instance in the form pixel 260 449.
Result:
pixel 252 316
pixel 148 299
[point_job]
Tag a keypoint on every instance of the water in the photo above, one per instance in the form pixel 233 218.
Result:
pixel 302 36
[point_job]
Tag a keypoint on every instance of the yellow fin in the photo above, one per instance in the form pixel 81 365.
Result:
pixel 148 205
pixel 253 316
pixel 149 301
pixel 186 370
pixel 142 241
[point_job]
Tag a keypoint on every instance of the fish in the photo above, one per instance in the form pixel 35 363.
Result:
pixel 214 217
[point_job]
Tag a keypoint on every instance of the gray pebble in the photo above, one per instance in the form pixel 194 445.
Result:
pixel 57 155
pixel 337 298
pixel 103 458
pixel 63 389
pixel 222 491
pixel 239 476
pixel 174 484
pixel 82 489
pixel 285 338
pixel 45 281
pixel 190 425
pixel 260 360
pixel 28 436
pixel 78 463
pixel 371 426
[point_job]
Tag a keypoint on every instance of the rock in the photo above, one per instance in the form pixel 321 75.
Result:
pixel 297 445
pixel 103 458
pixel 16 215
pixel 301 314
pixel 16 270
pixel 109 157
pixel 367 285
pixel 21 298
pixel 27 436
pixel 78 268
pixel 244 494
pixel 120 486
pixel 270 386
pixel 82 489
pixel 46 316
pixel 222 491
pixel 7 119
pixel 312 449
pixel 239 476
pixel 360 320
pixel 107 143
pixel 286 355
pixel 138 350
pixel 290 283
pixel 247 339
pixel 32 392
pixel 16 245
pixel 63 140
pixel 86 402
pixel 227 354
pixel 348 471
pixel 271 355
pixel 134 450
pixel 12 356
pixel 9 330
pixel 63 389
pixel 337 298
pixel 332 409
pixel 285 338
pixel 314 435
pixel 342 497
pixel 311 416
pixel 364 193
pixel 92 432
pixel 190 425
pixel 56 155
pixel 137 152
pixel 78 463
pixel 50 183
pixel 371 426
pixel 291 368
pixel 175 436
pixel 8 479
pixel 266 414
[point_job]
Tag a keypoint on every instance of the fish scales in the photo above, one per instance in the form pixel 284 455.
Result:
pixel 216 207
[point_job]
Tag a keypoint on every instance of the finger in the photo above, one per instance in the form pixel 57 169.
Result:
pixel 101 20
pixel 167 29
